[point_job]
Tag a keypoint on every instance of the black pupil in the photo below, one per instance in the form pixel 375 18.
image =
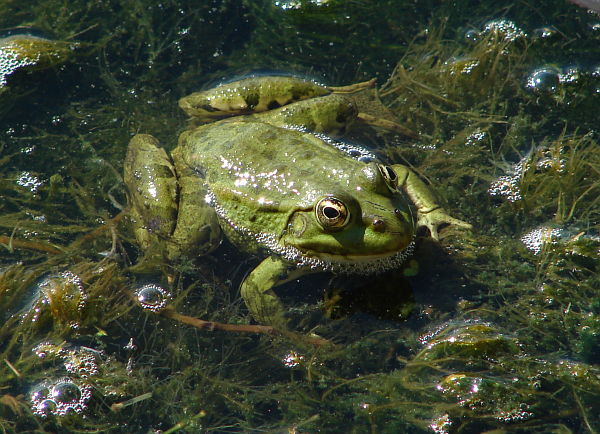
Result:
pixel 391 173
pixel 330 212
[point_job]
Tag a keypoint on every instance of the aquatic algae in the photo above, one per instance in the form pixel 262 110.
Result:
pixel 62 295
pixel 558 176
pixel 27 51
pixel 489 396
pixel 465 340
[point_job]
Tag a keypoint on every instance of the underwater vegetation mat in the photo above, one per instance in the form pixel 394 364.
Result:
pixel 505 334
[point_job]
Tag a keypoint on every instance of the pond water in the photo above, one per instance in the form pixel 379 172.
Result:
pixel 492 329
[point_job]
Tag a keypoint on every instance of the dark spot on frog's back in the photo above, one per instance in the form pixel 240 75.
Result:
pixel 273 105
pixel 251 100
pixel 268 153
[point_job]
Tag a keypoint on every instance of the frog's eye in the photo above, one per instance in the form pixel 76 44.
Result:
pixel 391 179
pixel 332 213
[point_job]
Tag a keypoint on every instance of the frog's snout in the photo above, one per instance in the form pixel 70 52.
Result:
pixel 380 225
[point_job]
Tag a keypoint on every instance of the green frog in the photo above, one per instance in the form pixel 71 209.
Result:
pixel 262 167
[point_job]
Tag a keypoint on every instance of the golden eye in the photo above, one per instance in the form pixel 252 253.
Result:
pixel 332 213
pixel 391 179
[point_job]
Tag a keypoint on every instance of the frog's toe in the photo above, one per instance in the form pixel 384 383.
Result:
pixel 434 219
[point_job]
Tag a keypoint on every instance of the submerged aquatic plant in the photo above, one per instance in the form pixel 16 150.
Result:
pixel 25 51
pixel 514 332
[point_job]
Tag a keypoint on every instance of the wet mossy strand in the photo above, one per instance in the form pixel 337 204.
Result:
pixel 504 333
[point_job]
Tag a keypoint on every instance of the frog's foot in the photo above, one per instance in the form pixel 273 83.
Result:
pixel 436 217
pixel 351 88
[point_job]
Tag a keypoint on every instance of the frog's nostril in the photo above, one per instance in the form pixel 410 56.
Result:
pixel 398 213
pixel 378 225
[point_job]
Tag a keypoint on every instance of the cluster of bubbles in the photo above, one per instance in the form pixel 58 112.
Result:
pixel 507 186
pixel 536 239
pixel 441 424
pixel 504 29
pixel 544 80
pixel 29 181
pixel 63 294
pixel 541 159
pixel 476 137
pixel 12 58
pixel 297 4
pixel 59 397
pixel 507 29
pixel 78 360
pixel 67 394
pixel 152 297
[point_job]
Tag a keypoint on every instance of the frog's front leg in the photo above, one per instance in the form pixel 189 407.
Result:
pixel 257 290
pixel 429 212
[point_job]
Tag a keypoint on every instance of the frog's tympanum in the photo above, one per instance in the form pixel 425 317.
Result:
pixel 270 177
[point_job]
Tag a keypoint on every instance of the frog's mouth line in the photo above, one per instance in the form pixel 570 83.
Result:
pixel 350 264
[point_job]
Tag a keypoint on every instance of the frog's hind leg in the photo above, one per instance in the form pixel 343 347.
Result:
pixel 152 185
pixel 197 231
pixel 332 115
pixel 250 95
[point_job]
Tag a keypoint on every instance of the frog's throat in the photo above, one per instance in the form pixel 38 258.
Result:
pixel 363 264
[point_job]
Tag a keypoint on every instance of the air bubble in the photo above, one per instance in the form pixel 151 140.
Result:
pixel 544 32
pixel 292 359
pixel 152 297
pixel 39 392
pixel 66 393
pixel 472 36
pixel 45 407
pixel 543 80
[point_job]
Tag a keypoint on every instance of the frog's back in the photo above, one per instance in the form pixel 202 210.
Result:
pixel 258 160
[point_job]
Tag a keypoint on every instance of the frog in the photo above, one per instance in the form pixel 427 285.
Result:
pixel 263 164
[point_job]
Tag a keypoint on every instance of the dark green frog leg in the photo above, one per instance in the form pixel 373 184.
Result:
pixel 429 212
pixel 152 186
pixel 257 290
pixel 197 231
pixel 250 95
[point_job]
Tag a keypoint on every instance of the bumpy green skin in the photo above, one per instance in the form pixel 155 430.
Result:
pixel 260 181
pixel 250 95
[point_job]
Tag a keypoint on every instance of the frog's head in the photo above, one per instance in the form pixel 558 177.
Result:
pixel 365 228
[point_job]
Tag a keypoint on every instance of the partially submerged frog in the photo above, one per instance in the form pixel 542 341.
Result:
pixel 277 184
